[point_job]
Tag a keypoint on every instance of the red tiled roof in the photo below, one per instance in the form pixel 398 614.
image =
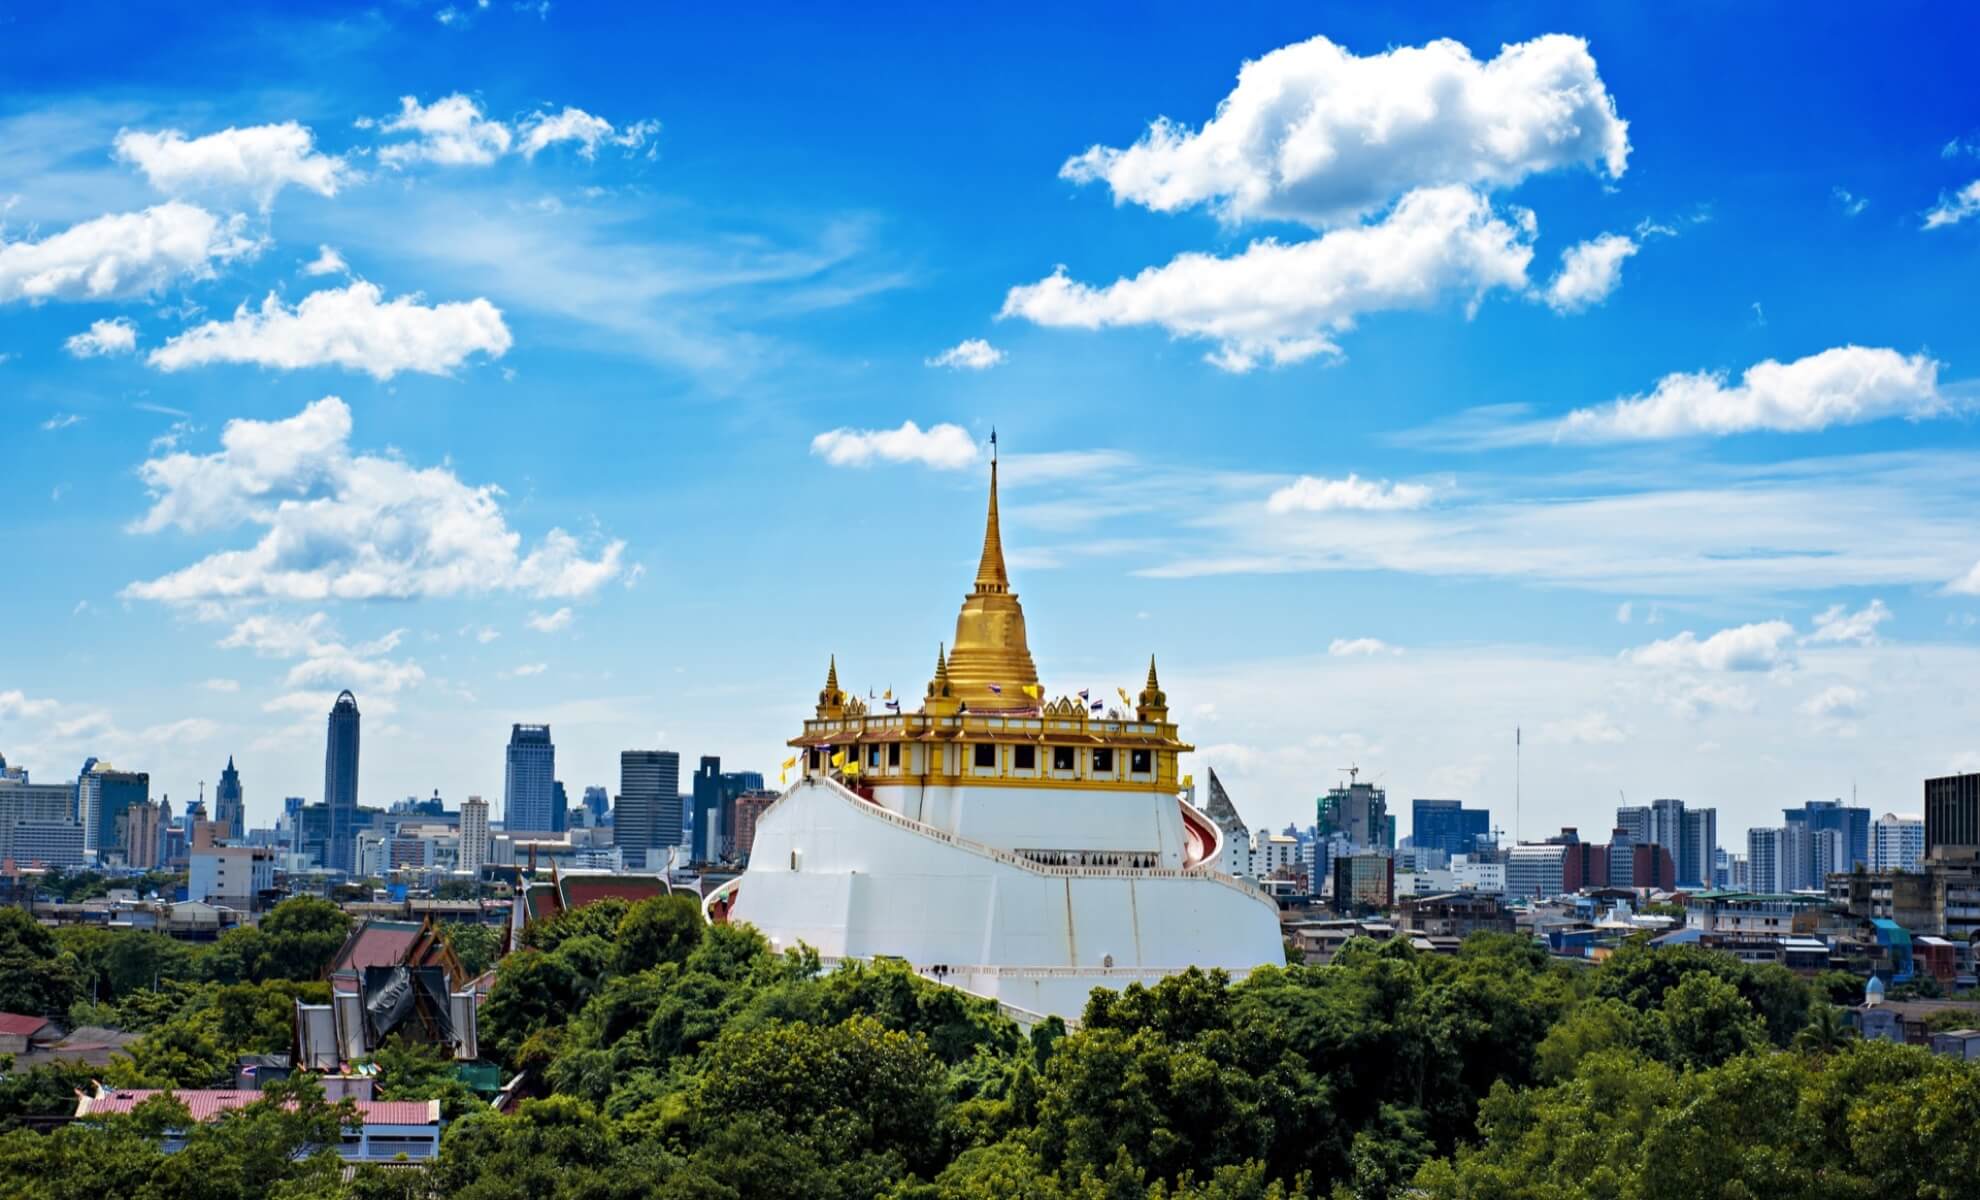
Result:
pixel 580 890
pixel 208 1103
pixel 377 944
pixel 21 1026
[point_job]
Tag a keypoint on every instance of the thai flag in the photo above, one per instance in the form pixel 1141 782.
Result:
pixel 894 704
pixel 998 690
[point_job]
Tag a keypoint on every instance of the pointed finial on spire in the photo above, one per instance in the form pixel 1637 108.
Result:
pixel 832 675
pixel 990 573
pixel 1152 684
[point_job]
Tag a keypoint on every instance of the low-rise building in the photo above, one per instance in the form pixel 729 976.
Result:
pixel 390 1129
pixel 234 876
pixel 1454 914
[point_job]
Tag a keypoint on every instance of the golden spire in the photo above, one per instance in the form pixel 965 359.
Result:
pixel 991 664
pixel 831 701
pixel 1153 703
pixel 990 573
pixel 941 697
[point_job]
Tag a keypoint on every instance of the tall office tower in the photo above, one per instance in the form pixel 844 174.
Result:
pixel 1797 859
pixel 528 793
pixel 1952 816
pixel 597 802
pixel 229 810
pixel 340 784
pixel 708 809
pixel 142 836
pixel 1622 858
pixel 1635 821
pixel 474 835
pixel 1897 843
pixel 102 794
pixel 1360 813
pixel 1828 855
pixel 560 807
pixel 646 819
pixel 1763 861
pixel 1851 822
pixel 1667 828
pixel 1447 825
pixel 1698 845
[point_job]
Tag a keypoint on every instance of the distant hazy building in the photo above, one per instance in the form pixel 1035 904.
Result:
pixel 1447 825
pixel 1952 814
pixel 43 806
pixel 229 808
pixel 749 807
pixel 597 802
pixel 1763 861
pixel 714 805
pixel 1850 822
pixel 560 806
pixel 102 795
pixel 1360 813
pixel 474 835
pixel 1634 820
pixel 646 819
pixel 1364 882
pixel 1690 835
pixel 1536 871
pixel 340 784
pixel 529 794
pixel 1897 843
pixel 144 836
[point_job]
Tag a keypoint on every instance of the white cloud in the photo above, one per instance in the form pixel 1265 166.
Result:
pixel 1624 612
pixel 1589 729
pixel 121 256
pixel 61 421
pixel 1845 385
pixel 103 338
pixel 541 130
pixel 1316 134
pixel 1967 584
pixel 174 733
pixel 1762 646
pixel 1852 204
pixel 1838 624
pixel 279 637
pixel 260 161
pixel 1589 272
pixel 528 669
pixel 1359 647
pixel 970 354
pixel 451 132
pixel 223 685
pixel 1311 494
pixel 345 525
pixel 945 447
pixel 347 327
pixel 551 622
pixel 1956 208
pixel 1281 303
pixel 327 262
pixel 1839 702
pixel 484 635
pixel 14 703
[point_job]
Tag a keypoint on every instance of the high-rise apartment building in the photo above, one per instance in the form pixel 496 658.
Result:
pixel 340 784
pixel 229 809
pixel 1850 822
pixel 1698 846
pixel 36 813
pixel 529 791
pixel 646 819
pixel 1897 843
pixel 597 802
pixel 474 835
pixel 1952 815
pixel 1763 861
pixel 714 807
pixel 102 795
pixel 1634 820
pixel 1447 825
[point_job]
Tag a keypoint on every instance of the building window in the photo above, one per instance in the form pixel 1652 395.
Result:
pixel 1062 758
pixel 1025 758
pixel 1138 761
pixel 873 756
pixel 1103 762
pixel 893 754
pixel 986 755
pixel 814 760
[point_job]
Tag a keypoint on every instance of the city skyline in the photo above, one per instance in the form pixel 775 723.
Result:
pixel 1672 468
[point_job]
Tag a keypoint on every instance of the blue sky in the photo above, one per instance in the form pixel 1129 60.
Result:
pixel 1608 373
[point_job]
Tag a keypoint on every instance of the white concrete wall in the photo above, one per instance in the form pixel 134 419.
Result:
pixel 865 886
pixel 1021 818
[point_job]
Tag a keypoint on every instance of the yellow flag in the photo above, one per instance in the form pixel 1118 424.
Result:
pixel 783 777
pixel 1189 781
pixel 852 766
pixel 1033 690
pixel 839 759
pixel 1125 699
pixel 888 694
pixel 789 763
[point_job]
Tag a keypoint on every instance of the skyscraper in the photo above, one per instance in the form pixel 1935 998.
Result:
pixel 340 784
pixel 1635 821
pixel 1897 843
pixel 646 818
pixel 597 802
pixel 102 795
pixel 1952 814
pixel 1763 861
pixel 474 835
pixel 229 811
pixel 529 793
pixel 1447 825
pixel 1851 822
pixel 1698 845
pixel 560 807
pixel 1360 813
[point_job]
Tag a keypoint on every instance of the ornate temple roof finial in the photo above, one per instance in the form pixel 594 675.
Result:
pixel 832 674
pixel 1153 703
pixel 1153 686
pixel 831 701
pixel 990 573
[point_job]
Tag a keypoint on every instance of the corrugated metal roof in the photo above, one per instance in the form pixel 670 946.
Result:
pixel 207 1103
pixel 20 1025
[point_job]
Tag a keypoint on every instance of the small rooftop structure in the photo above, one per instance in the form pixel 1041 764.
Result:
pixel 390 1129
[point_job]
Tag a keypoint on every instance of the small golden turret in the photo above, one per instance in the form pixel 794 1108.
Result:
pixel 942 700
pixel 831 701
pixel 1153 703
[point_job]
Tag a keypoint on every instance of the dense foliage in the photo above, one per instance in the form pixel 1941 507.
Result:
pixel 671 1059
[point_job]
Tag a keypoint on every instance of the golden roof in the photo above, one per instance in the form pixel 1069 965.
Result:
pixel 990 646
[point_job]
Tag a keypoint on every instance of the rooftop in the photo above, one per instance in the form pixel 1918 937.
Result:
pixel 207 1103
